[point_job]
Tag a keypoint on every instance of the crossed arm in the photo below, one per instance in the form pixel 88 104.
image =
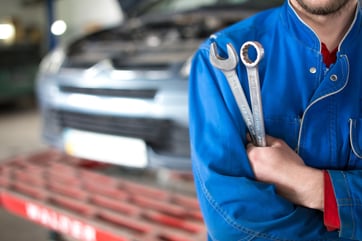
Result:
pixel 278 164
pixel 234 204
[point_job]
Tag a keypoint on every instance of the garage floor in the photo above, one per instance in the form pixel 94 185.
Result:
pixel 19 134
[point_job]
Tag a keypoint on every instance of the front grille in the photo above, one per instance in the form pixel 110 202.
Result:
pixel 125 93
pixel 149 66
pixel 164 136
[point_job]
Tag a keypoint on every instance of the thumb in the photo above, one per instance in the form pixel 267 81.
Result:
pixel 273 141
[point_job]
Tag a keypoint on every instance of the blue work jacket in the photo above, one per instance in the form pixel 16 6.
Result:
pixel 315 109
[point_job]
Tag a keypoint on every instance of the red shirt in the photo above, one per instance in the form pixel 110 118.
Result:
pixel 331 216
pixel 328 57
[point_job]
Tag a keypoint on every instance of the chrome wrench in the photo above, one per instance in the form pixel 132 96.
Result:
pixel 254 87
pixel 227 66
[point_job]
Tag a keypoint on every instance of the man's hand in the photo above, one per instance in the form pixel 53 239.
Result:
pixel 278 164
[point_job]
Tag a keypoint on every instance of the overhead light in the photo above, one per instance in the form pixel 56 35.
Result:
pixel 58 27
pixel 7 31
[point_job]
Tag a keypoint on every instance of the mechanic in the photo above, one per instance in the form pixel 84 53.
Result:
pixel 306 184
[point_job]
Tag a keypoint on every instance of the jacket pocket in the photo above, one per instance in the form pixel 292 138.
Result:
pixel 355 136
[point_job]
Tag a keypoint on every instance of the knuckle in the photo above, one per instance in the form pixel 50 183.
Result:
pixel 279 142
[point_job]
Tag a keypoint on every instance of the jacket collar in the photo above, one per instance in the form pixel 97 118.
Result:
pixel 306 34
pixel 353 35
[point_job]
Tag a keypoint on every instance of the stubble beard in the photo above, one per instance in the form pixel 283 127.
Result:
pixel 329 9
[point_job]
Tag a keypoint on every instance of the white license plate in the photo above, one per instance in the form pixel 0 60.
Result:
pixel 105 148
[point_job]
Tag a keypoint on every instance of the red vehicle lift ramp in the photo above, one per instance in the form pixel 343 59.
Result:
pixel 54 191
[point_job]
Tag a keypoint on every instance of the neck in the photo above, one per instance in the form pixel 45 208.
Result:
pixel 330 28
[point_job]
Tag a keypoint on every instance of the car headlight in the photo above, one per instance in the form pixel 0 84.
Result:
pixel 52 62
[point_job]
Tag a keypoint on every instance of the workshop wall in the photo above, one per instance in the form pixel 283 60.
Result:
pixel 81 17
pixel 84 16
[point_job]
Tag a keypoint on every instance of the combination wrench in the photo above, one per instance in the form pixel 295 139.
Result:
pixel 227 66
pixel 254 87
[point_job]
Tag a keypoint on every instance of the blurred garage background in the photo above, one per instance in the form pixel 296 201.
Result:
pixel 25 37
pixel 90 84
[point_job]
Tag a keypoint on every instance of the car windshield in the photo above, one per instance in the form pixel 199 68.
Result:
pixel 169 6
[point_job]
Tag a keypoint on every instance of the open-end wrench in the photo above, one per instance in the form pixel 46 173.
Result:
pixel 254 87
pixel 227 66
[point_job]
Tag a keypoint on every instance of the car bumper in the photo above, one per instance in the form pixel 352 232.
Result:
pixel 159 117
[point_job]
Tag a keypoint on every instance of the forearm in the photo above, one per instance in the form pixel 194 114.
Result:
pixel 306 188
pixel 279 165
pixel 252 208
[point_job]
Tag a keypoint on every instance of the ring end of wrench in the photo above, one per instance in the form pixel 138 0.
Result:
pixel 244 53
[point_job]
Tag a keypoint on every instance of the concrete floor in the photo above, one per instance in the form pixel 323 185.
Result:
pixel 19 134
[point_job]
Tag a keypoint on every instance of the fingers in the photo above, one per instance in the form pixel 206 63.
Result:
pixel 249 145
pixel 248 137
pixel 270 141
pixel 274 142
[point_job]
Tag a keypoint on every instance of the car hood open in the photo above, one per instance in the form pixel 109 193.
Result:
pixel 158 33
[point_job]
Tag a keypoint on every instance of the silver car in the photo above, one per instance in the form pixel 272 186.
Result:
pixel 120 95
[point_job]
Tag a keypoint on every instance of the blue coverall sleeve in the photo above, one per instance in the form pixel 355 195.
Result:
pixel 234 205
pixel 347 186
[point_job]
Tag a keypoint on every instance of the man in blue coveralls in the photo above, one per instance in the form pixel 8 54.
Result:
pixel 306 184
